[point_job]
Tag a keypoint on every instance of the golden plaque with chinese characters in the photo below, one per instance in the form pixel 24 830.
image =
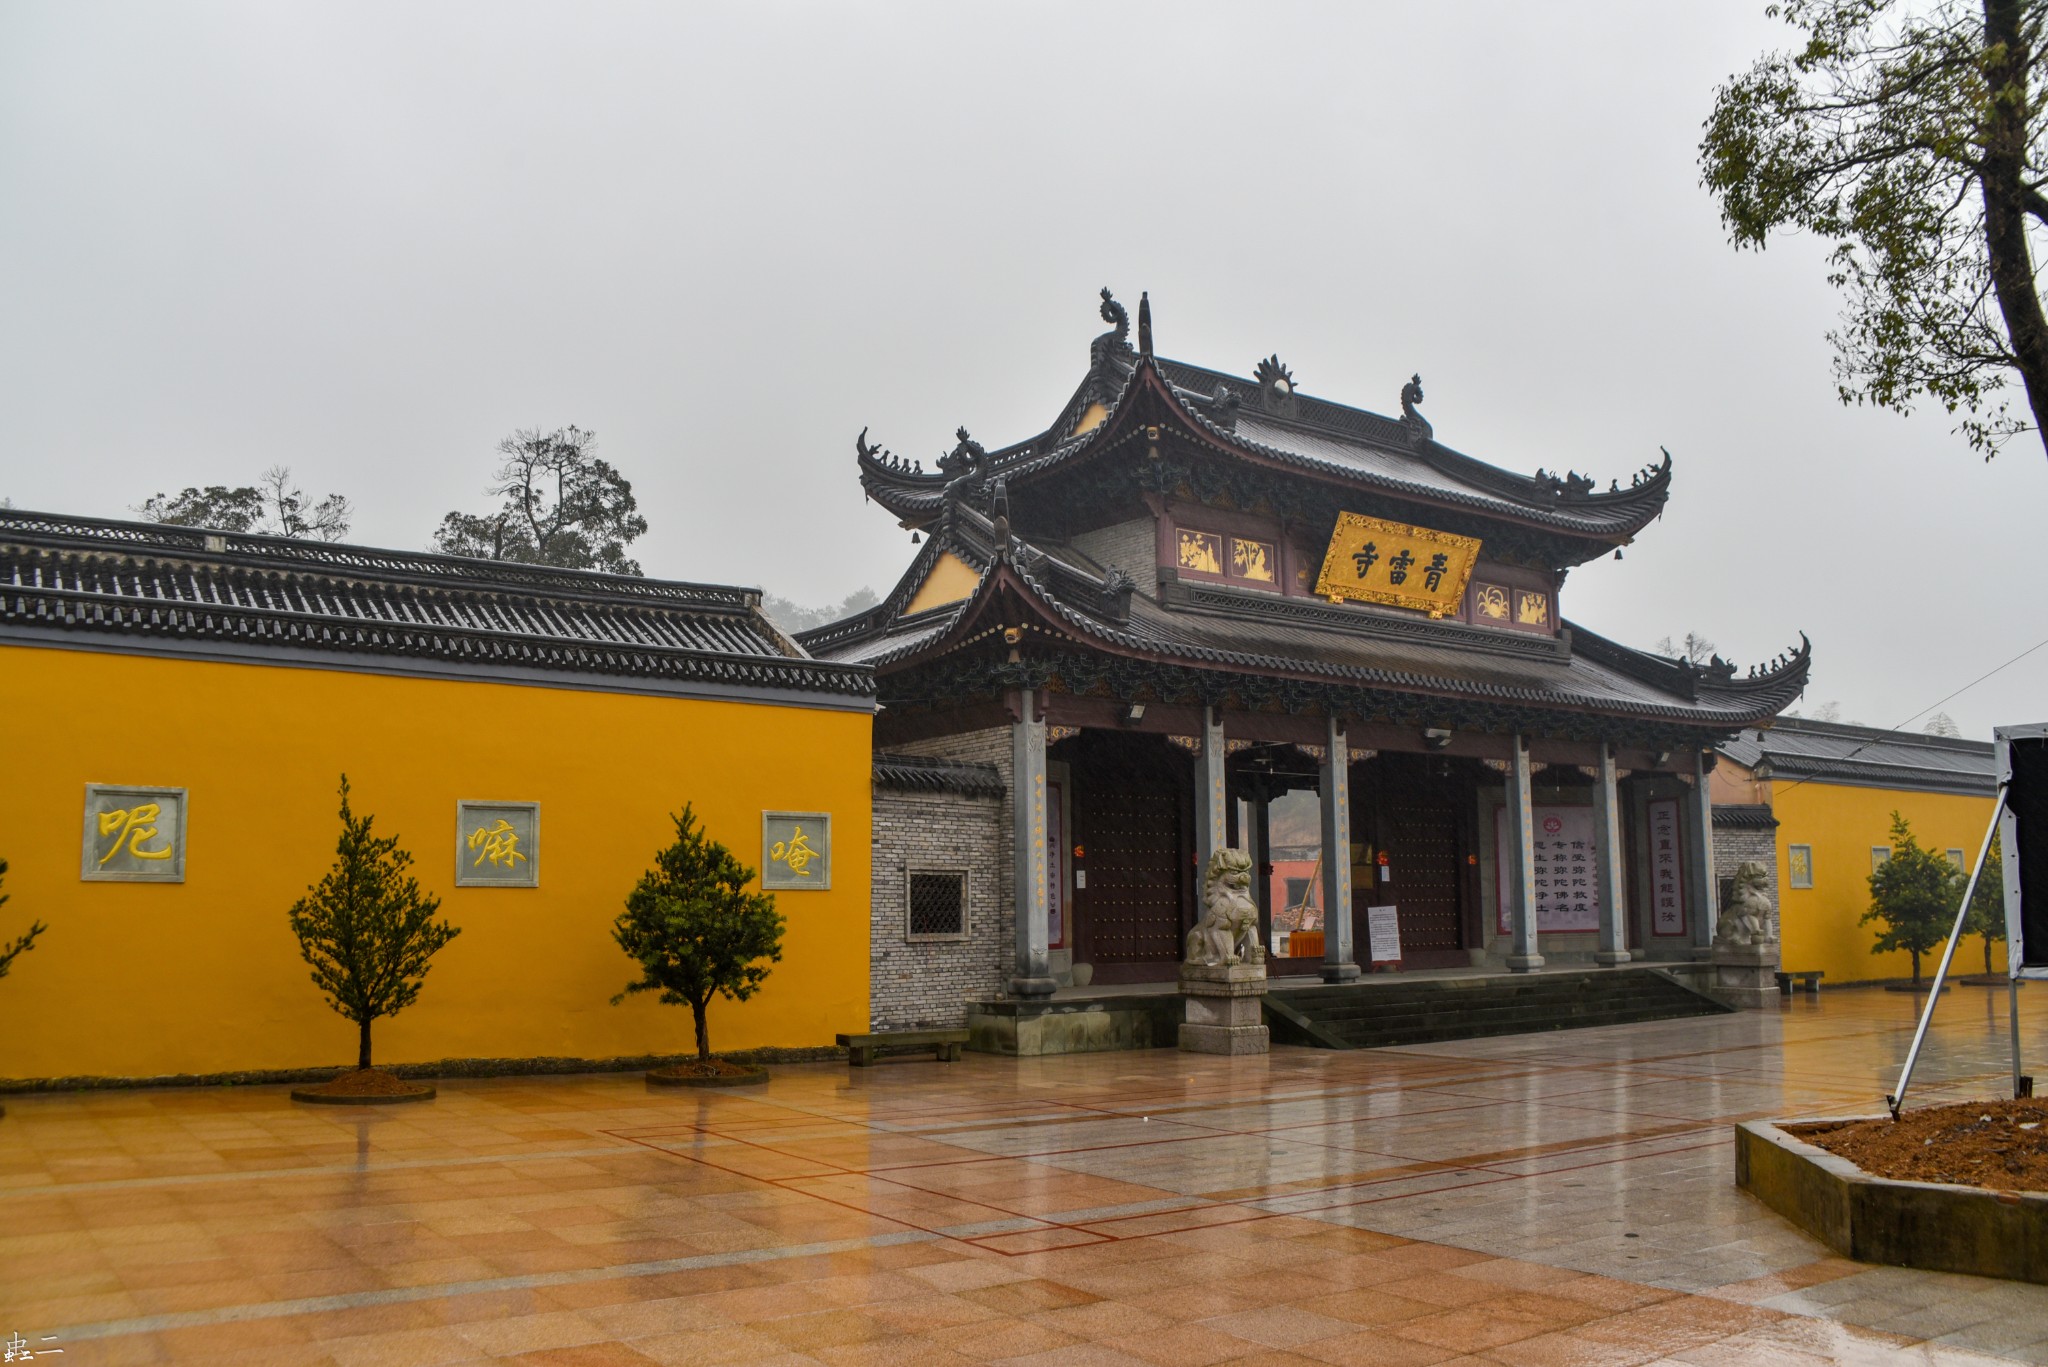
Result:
pixel 1374 561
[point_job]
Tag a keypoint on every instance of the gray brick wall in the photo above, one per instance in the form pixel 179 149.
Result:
pixel 1733 845
pixel 1132 547
pixel 931 982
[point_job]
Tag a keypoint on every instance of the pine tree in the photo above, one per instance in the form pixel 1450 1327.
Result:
pixel 695 930
pixel 1987 903
pixel 10 952
pixel 1913 897
pixel 367 929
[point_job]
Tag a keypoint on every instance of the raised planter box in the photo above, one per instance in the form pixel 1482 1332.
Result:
pixel 1929 1225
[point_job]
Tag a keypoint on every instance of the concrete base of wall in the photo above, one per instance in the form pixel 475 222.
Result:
pixel 1929 1225
pixel 1030 1028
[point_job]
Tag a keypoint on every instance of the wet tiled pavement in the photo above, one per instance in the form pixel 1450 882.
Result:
pixel 1558 1198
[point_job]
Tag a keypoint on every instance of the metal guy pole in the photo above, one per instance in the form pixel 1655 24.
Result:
pixel 1898 1099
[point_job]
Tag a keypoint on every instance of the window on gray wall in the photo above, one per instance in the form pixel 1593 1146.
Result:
pixel 935 905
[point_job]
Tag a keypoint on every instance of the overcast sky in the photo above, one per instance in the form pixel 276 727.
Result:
pixel 369 240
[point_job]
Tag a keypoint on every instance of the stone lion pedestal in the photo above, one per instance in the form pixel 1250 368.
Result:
pixel 1746 975
pixel 1225 1012
pixel 1745 950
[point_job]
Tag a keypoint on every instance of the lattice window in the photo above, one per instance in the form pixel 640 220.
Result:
pixel 937 905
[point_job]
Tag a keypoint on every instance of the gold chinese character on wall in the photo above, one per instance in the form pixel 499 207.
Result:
pixel 497 844
pixel 796 850
pixel 134 835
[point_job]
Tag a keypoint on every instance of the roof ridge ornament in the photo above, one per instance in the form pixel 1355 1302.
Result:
pixel 1118 339
pixel 1419 431
pixel 1572 487
pixel 878 454
pixel 1223 406
pixel 1272 375
pixel 1276 385
pixel 1650 472
pixel 966 465
pixel 1145 323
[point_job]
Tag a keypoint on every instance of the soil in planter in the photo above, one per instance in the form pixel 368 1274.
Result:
pixel 366 1082
pixel 2001 1145
pixel 712 1067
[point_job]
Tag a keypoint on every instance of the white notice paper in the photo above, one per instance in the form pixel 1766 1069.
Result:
pixel 1383 934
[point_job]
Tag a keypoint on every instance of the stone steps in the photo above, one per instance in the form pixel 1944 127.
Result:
pixel 1427 1011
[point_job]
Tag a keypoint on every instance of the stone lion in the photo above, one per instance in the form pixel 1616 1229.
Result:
pixel 1746 920
pixel 1228 932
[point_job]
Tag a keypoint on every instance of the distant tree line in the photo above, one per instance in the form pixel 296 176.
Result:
pixel 558 503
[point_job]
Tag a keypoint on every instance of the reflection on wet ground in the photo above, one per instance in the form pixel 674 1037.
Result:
pixel 1558 1198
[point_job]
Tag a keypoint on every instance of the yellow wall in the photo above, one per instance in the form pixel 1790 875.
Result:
pixel 1819 925
pixel 205 976
pixel 951 580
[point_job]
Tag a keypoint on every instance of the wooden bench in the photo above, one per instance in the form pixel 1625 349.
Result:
pixel 863 1050
pixel 1808 980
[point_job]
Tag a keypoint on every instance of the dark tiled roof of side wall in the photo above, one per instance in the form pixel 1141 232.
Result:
pixel 182 588
pixel 921 774
pixel 1863 756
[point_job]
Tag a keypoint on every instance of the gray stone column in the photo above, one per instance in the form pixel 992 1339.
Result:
pixel 1522 955
pixel 1704 892
pixel 1212 802
pixel 1258 844
pixel 1027 805
pixel 1340 964
pixel 1607 841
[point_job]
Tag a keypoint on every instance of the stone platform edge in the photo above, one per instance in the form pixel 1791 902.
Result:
pixel 1934 1226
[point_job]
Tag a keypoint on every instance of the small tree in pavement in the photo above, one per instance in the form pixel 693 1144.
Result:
pixel 367 929
pixel 1912 898
pixel 1987 904
pixel 695 929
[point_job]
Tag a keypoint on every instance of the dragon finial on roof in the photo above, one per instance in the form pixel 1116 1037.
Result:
pixel 967 454
pixel 1118 339
pixel 1418 428
pixel 1114 315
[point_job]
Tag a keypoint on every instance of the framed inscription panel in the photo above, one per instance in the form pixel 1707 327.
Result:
pixel 133 835
pixel 796 851
pixel 1371 560
pixel 497 844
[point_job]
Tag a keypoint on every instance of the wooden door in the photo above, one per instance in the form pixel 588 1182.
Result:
pixel 1422 845
pixel 1130 819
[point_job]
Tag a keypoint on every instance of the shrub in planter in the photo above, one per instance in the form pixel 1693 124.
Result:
pixel 697 932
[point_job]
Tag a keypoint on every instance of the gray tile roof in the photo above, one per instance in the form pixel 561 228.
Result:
pixel 1798 749
pixel 922 774
pixel 189 590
